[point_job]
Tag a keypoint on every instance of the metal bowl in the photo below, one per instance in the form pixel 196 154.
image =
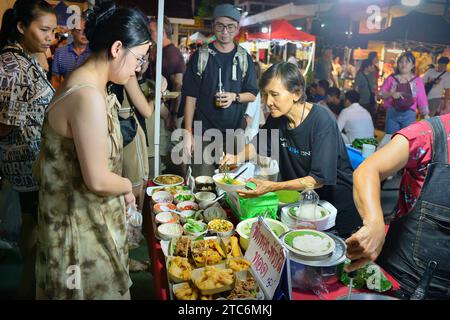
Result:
pixel 366 296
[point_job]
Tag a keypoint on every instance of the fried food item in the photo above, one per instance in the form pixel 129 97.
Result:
pixel 182 247
pixel 239 264
pixel 220 225
pixel 180 268
pixel 207 251
pixel 208 297
pixel 235 251
pixel 213 278
pixel 186 292
pixel 244 289
pixel 168 179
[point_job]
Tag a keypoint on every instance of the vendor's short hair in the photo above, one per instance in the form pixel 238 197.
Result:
pixel 352 96
pixel 290 75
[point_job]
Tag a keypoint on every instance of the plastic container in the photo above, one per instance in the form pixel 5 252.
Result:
pixel 243 228
pixel 197 273
pixel 355 156
pixel 246 208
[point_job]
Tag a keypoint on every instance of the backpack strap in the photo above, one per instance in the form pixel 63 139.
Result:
pixel 241 58
pixel 203 56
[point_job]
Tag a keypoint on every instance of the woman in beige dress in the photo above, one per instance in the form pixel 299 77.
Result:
pixel 82 247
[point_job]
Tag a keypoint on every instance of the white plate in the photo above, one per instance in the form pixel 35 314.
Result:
pixel 155 181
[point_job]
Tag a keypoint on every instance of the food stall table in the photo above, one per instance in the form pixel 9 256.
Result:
pixel 161 285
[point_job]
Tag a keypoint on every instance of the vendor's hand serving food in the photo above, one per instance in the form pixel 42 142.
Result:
pixel 365 245
pixel 262 187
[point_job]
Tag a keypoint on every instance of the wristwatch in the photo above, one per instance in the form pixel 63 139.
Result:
pixel 238 98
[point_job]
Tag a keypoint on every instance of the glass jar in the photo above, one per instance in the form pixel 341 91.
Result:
pixel 308 204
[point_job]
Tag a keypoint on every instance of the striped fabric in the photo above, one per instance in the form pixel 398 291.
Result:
pixel 66 60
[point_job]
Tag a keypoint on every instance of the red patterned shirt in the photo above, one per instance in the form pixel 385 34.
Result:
pixel 420 138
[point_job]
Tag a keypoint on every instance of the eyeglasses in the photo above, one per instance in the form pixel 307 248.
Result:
pixel 230 28
pixel 140 61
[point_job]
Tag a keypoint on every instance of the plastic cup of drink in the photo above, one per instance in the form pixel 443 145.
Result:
pixel 367 150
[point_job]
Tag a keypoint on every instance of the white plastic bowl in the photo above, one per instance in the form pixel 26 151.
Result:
pixel 166 217
pixel 279 226
pixel 196 234
pixel 187 205
pixel 162 197
pixel 187 214
pixel 205 196
pixel 168 231
pixel 214 212
pixel 228 187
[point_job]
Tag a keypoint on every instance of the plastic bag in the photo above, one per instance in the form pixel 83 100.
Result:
pixel 134 228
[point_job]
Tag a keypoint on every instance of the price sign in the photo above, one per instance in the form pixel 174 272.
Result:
pixel 268 257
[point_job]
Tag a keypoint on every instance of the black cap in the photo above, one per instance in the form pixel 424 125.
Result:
pixel 227 10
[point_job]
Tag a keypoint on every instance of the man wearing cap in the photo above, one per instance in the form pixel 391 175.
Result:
pixel 440 78
pixel 201 84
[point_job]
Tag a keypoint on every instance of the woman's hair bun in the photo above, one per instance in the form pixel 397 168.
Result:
pixel 101 12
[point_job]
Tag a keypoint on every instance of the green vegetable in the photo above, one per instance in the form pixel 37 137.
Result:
pixel 184 197
pixel 370 276
pixel 358 143
pixel 194 226
pixel 227 179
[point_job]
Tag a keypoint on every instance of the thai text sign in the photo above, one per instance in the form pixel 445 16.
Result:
pixel 267 256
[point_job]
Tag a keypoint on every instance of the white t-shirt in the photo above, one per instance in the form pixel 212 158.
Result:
pixel 357 123
pixel 293 60
pixel 439 88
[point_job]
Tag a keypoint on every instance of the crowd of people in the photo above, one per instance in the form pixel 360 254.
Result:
pixel 78 144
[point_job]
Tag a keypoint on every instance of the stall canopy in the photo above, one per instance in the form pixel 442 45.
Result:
pixel 282 30
pixel 417 27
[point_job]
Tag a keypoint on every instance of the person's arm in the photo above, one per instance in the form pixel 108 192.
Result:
pixel 386 90
pixel 365 245
pixel 447 88
pixel 249 88
pixel 177 81
pixel 264 186
pixel 446 96
pixel 90 135
pixel 188 137
pixel 422 100
pixel 138 99
pixel 342 120
pixel 56 80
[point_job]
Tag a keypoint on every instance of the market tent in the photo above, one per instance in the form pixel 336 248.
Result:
pixel 197 37
pixel 417 27
pixel 282 30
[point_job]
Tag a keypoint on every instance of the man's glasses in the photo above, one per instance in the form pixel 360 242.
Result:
pixel 230 28
pixel 141 61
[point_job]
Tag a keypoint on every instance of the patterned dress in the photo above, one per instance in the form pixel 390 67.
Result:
pixel 82 249
pixel 25 94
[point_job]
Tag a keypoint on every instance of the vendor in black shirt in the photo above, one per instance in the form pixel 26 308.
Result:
pixel 310 147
